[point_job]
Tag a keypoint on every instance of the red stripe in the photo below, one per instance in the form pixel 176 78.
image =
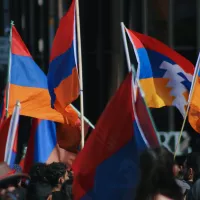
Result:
pixel 65 33
pixel 18 46
pixel 144 41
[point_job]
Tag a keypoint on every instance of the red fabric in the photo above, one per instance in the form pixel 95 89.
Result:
pixel 3 111
pixel 106 139
pixel 69 136
pixel 18 46
pixel 144 41
pixel 145 121
pixel 4 133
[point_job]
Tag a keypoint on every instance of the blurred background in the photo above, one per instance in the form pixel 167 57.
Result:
pixel 175 22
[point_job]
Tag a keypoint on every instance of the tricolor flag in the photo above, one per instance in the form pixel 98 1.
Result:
pixel 164 75
pixel 28 84
pixel 3 109
pixel 194 112
pixel 62 76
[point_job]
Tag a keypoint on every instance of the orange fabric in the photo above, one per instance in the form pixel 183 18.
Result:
pixel 35 102
pixel 65 98
pixel 194 113
pixel 157 94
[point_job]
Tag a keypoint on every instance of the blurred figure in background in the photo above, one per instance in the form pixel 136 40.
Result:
pixel 179 175
pixel 192 175
pixel 10 183
pixel 39 188
pixel 157 176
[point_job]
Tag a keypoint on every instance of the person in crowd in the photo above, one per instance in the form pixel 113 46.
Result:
pixel 192 175
pixel 57 174
pixel 39 188
pixel 10 183
pixel 67 188
pixel 157 176
pixel 178 173
pixel 192 168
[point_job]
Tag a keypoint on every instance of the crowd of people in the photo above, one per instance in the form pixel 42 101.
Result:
pixel 161 178
pixel 44 182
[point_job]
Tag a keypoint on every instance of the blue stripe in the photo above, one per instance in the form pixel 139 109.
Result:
pixel 13 159
pixel 25 72
pixel 45 140
pixel 150 62
pixel 185 82
pixel 117 177
pixel 61 67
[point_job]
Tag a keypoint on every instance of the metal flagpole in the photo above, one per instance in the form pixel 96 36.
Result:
pixel 9 70
pixel 12 132
pixel 130 68
pixel 126 47
pixel 80 73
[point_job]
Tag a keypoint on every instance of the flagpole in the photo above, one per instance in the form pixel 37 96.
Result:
pixel 85 118
pixel 196 72
pixel 9 70
pixel 12 132
pixel 126 47
pixel 130 68
pixel 80 73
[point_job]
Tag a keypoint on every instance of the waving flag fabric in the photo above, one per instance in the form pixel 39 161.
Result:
pixel 194 112
pixel 165 75
pixel 144 118
pixel 42 142
pixel 3 109
pixel 4 135
pixel 107 167
pixel 28 84
pixel 62 76
pixel 43 147
pixel 69 136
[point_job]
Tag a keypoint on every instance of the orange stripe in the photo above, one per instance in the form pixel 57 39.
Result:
pixel 157 94
pixel 194 113
pixel 35 102
pixel 65 93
